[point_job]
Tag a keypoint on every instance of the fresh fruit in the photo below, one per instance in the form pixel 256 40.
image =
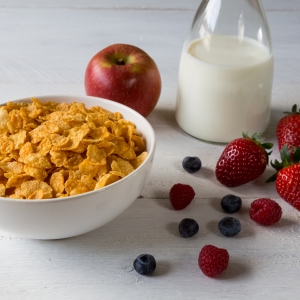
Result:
pixel 288 130
pixel 287 176
pixel 181 195
pixel 243 160
pixel 265 211
pixel 229 226
pixel 188 227
pixel 213 260
pixel 125 74
pixel 145 264
pixel 231 203
pixel 191 164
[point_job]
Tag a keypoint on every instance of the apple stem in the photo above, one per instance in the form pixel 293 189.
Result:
pixel 120 61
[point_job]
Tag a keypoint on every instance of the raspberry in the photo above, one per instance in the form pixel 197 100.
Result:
pixel 181 195
pixel 213 260
pixel 265 211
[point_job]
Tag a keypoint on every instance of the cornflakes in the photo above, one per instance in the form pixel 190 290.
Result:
pixel 55 150
pixel 36 173
pixel 121 167
pixel 28 188
pixel 2 190
pixel 57 182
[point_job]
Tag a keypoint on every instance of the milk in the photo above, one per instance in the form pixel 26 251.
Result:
pixel 224 88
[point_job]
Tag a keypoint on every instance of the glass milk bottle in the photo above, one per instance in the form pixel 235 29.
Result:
pixel 226 71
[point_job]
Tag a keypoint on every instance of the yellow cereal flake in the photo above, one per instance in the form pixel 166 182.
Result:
pixel 3 119
pixel 58 150
pixel 95 155
pixel 15 121
pixel 51 127
pixel 31 186
pixel 45 146
pixel 25 150
pixel 73 162
pixel 2 190
pixel 6 146
pixel 15 180
pixel 106 180
pixel 139 160
pixel 58 158
pixel 36 173
pixel 72 184
pixel 37 160
pixel 123 150
pixel 57 182
pixel 88 181
pixel 39 194
pixel 102 170
pixel 12 167
pixel 19 139
pixel 121 168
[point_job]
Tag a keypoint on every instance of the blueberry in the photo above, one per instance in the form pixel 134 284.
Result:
pixel 229 226
pixel 188 227
pixel 145 264
pixel 231 203
pixel 191 164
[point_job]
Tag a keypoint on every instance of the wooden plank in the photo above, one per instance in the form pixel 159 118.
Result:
pixel 98 265
pixel 133 4
pixel 44 49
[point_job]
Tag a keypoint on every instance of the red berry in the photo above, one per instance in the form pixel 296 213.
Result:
pixel 287 176
pixel 213 260
pixel 181 195
pixel 288 184
pixel 265 211
pixel 242 161
pixel 288 130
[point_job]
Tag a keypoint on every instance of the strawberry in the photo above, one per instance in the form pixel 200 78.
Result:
pixel 243 160
pixel 288 130
pixel 287 177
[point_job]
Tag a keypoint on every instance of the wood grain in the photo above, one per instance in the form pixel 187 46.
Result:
pixel 44 49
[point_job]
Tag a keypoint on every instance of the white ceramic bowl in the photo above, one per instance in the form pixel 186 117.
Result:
pixel 66 217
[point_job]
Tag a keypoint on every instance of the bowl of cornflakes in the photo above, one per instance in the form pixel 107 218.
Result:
pixel 69 164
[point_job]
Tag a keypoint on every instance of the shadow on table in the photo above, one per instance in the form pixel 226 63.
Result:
pixel 246 230
pixel 162 117
pixel 167 116
pixel 235 269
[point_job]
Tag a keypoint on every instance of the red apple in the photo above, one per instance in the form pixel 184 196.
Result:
pixel 125 74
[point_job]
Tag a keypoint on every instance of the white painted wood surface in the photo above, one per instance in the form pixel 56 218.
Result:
pixel 44 49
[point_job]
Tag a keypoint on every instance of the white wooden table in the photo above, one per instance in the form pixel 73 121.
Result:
pixel 44 49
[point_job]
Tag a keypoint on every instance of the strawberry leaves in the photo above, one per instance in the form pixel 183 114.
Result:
pixel 258 140
pixel 296 156
pixel 287 160
pixel 294 110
